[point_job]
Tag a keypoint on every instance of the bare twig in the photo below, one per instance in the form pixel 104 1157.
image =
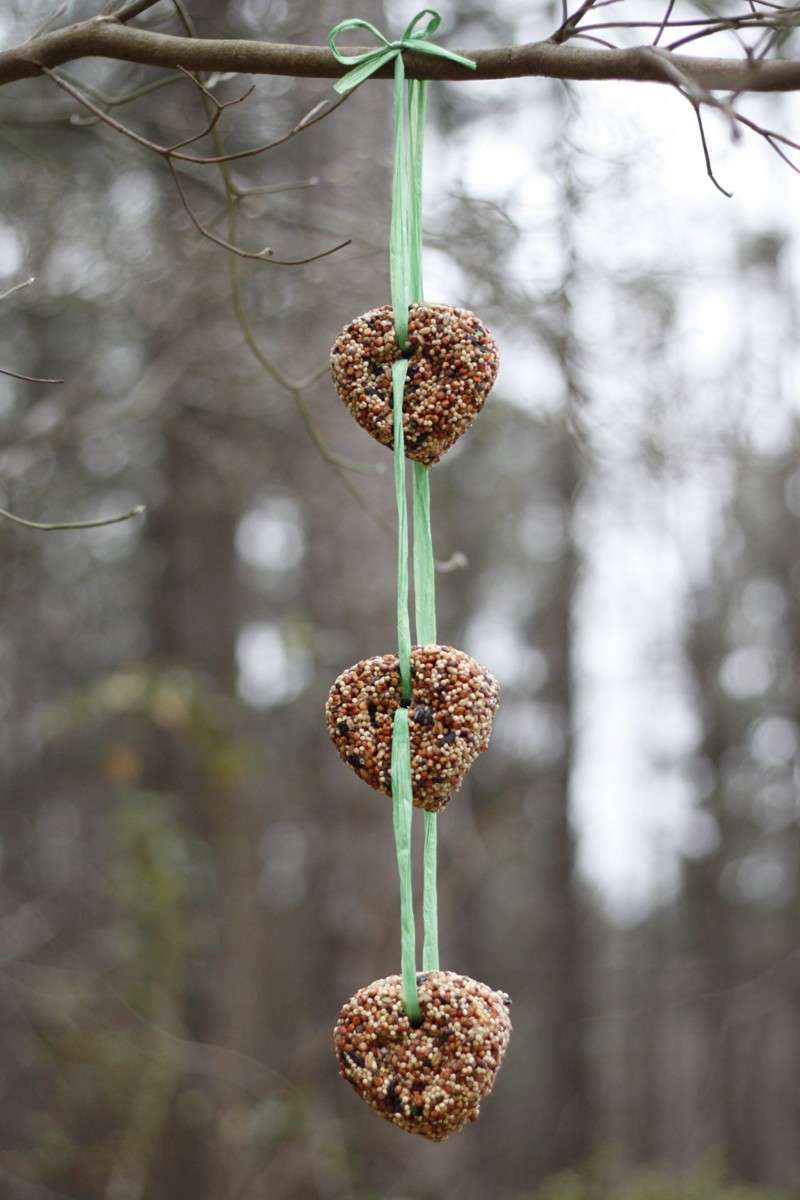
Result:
pixel 772 24
pixel 690 88
pixel 5 370
pixel 569 25
pixel 175 152
pixel 342 466
pixel 27 378
pixel 117 101
pixel 295 389
pixel 17 287
pixel 318 113
pixel 664 22
pixel 697 96
pixel 51 526
pixel 264 255
pixel 56 525
pixel 707 155
pixel 133 8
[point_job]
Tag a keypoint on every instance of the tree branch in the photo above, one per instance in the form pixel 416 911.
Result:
pixel 106 37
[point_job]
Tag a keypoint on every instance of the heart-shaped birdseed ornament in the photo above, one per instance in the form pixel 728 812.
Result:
pixel 453 364
pixel 429 1079
pixel 453 702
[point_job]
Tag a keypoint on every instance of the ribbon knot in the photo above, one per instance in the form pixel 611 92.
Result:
pixel 370 61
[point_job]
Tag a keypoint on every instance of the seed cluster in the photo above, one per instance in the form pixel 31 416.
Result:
pixel 453 364
pixel 429 1080
pixel 453 702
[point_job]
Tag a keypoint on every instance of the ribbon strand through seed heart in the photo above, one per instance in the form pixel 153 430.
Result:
pixel 405 261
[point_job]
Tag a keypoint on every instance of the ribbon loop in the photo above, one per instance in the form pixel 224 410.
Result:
pixel 370 61
pixel 355 23
pixel 431 27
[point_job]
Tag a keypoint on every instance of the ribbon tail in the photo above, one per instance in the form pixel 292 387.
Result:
pixel 399 272
pixel 402 812
pixel 363 70
pixel 399 372
pixel 423 47
pixel 430 906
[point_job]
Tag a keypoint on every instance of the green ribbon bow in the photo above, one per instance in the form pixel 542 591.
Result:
pixel 405 264
pixel 370 61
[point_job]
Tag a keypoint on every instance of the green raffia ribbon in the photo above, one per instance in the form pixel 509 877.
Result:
pixel 405 263
pixel 370 61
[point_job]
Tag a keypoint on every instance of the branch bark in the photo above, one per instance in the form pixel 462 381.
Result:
pixel 104 37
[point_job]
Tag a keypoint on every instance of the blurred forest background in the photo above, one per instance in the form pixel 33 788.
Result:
pixel 191 881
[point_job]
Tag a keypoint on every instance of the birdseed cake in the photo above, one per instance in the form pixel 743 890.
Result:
pixel 430 1079
pixel 452 707
pixel 453 365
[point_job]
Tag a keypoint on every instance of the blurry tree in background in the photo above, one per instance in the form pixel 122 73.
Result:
pixel 190 882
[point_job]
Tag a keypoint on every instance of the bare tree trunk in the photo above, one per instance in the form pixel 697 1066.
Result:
pixel 196 600
pixel 569 1133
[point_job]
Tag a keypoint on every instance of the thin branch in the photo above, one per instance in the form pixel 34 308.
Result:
pixel 664 23
pixel 342 466
pixel 295 389
pixel 785 20
pixel 697 96
pixel 219 108
pixel 772 139
pixel 27 378
pixel 103 38
pixel 264 255
pixel 153 85
pixel 175 152
pixel 569 24
pixel 234 196
pixel 49 528
pixel 317 113
pixel 590 37
pixel 704 27
pixel 133 9
pixel 707 155
pixel 17 287
pixel 694 92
